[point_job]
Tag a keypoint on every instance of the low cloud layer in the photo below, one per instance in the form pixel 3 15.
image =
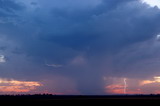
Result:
pixel 10 86
pixel 132 86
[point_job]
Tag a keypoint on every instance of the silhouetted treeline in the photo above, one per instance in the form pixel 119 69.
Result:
pixel 81 99
pixel 52 96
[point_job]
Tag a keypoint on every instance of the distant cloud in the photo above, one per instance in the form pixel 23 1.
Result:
pixel 79 60
pixel 54 65
pixel 152 2
pixel 155 80
pixel 158 38
pixel 15 86
pixel 2 59
pixel 135 86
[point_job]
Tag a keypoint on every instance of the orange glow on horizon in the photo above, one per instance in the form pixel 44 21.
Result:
pixel 134 86
pixel 115 89
pixel 155 80
pixel 119 89
pixel 146 82
pixel 17 86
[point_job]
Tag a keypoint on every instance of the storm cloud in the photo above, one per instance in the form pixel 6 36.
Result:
pixel 82 41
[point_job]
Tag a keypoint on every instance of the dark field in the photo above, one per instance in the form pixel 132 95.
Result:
pixel 81 100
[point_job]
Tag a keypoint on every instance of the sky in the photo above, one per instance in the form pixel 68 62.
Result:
pixel 80 47
pixel 152 2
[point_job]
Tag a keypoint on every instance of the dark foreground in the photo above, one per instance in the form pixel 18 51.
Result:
pixel 81 100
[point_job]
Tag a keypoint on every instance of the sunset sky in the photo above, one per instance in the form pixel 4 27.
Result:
pixel 84 47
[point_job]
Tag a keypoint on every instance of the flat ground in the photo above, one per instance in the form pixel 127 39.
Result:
pixel 82 100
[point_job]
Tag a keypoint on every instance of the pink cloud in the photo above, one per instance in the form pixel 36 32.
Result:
pixel 15 86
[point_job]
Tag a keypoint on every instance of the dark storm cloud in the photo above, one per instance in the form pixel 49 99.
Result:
pixel 9 5
pixel 8 9
pixel 108 30
pixel 88 39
